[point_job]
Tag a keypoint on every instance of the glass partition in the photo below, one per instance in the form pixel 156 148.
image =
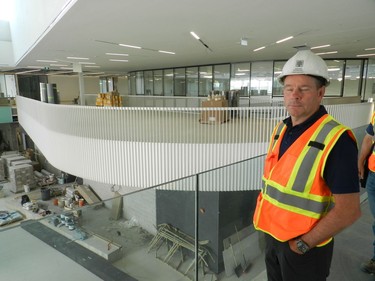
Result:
pixel 277 90
pixel 255 79
pixel 179 82
pixel 192 82
pixel 221 79
pixel 335 73
pixel 168 82
pixel 139 83
pixel 153 234
pixel 353 70
pixel 205 80
pixel 149 83
pixel 132 83
pixel 261 78
pixel 158 83
pixel 240 78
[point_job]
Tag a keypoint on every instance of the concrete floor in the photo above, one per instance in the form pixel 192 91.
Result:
pixel 25 257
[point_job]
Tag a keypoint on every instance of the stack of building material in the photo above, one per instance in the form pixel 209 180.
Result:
pixel 13 160
pixel 109 99
pixel 19 176
pixel 6 156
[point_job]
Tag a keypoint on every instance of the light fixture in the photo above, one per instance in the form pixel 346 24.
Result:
pixel 285 39
pixel 197 37
pixel 46 60
pixel 119 60
pixel 194 35
pixel 130 46
pixel 319 47
pixel 77 58
pixel 258 49
pixel 116 54
pixel 166 52
pixel 243 41
pixel 327 53
pixel 366 55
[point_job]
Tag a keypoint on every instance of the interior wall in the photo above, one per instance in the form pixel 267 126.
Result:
pixel 32 20
pixel 68 86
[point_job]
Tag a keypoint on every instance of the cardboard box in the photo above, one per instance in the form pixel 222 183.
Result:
pixel 214 116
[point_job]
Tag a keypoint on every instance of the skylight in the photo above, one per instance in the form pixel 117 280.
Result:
pixel 6 10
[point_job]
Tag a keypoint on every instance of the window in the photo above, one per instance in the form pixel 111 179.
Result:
pixel 240 78
pixel 192 81
pixel 179 82
pixel 205 80
pixel 335 74
pixel 149 83
pixel 158 83
pixel 168 82
pixel 261 78
pixel 277 90
pixel 221 77
pixel 353 70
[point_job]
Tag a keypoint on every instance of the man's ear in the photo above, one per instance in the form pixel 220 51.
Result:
pixel 322 91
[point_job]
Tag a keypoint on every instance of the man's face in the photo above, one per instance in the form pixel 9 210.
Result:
pixel 302 97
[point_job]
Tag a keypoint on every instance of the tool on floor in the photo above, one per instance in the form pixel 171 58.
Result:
pixel 238 269
pixel 246 267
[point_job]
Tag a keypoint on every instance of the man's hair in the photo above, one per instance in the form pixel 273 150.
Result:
pixel 320 81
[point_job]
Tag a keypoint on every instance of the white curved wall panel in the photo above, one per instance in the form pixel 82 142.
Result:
pixel 144 147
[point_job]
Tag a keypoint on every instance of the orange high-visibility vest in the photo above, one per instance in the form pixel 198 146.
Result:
pixel 294 196
pixel 371 159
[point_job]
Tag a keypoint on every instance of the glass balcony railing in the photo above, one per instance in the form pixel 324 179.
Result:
pixel 154 234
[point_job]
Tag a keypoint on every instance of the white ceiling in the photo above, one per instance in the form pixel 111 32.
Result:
pixel 347 25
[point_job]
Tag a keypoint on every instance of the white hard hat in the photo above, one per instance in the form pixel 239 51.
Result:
pixel 307 63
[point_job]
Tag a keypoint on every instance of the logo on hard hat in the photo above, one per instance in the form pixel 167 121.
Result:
pixel 298 66
pixel 299 63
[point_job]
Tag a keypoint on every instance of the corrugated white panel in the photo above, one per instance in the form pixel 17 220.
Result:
pixel 144 147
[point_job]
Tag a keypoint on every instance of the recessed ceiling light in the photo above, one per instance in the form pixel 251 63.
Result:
pixel 83 62
pixel 77 58
pixel 130 46
pixel 119 60
pixel 55 64
pixel 166 52
pixel 322 46
pixel 91 66
pixel 366 55
pixel 194 35
pixel 116 54
pixel 326 53
pixel 285 39
pixel 28 71
pixel 46 60
pixel 369 49
pixel 258 49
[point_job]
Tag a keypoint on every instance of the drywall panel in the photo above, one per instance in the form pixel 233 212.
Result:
pixel 31 22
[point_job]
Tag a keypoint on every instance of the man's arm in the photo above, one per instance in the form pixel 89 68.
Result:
pixel 365 150
pixel 345 212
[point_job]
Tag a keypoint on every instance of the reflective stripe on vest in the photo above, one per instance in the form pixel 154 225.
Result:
pixel 315 205
pixel 308 161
